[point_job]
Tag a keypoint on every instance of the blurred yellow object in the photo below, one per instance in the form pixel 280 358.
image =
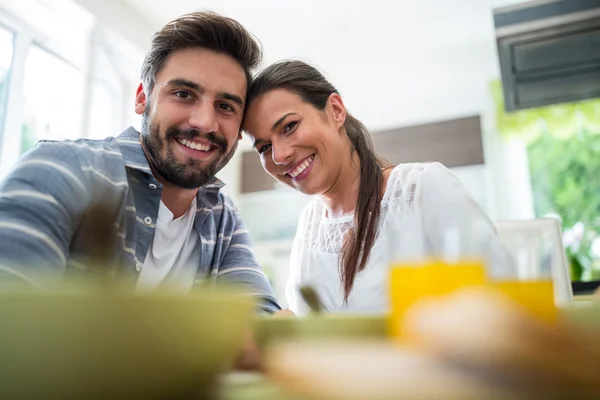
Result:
pixel 537 297
pixel 96 344
pixel 411 283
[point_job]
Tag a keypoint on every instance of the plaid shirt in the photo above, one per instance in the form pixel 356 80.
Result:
pixel 45 217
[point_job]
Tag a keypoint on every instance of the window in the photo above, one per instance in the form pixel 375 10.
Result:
pixel 45 44
pixel 63 75
pixel 565 179
pixel 52 99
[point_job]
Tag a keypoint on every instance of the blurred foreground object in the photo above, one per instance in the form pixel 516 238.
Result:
pixel 283 327
pixel 98 344
pixel 488 333
pixel 474 344
pixel 250 358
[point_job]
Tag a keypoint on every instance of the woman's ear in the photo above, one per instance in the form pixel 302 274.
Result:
pixel 336 109
pixel 140 100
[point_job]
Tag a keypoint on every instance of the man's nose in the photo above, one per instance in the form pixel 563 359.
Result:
pixel 204 118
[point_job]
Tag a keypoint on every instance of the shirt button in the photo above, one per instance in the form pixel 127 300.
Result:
pixel 152 186
pixel 147 220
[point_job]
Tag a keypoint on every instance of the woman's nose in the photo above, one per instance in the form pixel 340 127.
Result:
pixel 281 153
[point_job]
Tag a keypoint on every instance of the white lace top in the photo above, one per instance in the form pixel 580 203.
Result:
pixel 421 201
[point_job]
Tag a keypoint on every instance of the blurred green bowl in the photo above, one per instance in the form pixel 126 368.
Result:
pixel 323 326
pixel 112 346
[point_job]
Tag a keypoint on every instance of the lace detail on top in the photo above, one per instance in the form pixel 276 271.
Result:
pixel 327 234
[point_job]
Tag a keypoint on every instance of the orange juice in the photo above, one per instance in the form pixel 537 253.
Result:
pixel 411 283
pixel 537 297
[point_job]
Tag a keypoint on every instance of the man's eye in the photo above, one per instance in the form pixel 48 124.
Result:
pixel 226 107
pixel 182 94
pixel 264 148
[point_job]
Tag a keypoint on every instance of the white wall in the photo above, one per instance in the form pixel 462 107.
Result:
pixel 119 16
pixel 395 63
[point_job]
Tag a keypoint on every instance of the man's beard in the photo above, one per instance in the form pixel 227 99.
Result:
pixel 188 175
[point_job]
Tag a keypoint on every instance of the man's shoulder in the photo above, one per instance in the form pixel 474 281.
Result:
pixel 85 148
pixel 72 153
pixel 101 159
pixel 78 150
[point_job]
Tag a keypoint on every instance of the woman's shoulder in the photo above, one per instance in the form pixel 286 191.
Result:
pixel 404 179
pixel 311 212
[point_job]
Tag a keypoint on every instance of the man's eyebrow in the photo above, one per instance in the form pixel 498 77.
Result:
pixel 280 120
pixel 178 82
pixel 233 97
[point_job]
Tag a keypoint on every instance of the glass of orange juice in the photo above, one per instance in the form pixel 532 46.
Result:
pixel 420 270
pixel 530 283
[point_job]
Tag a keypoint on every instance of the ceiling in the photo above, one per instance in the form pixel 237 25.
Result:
pixel 395 63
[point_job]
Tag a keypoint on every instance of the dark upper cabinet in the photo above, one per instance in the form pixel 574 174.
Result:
pixel 454 143
pixel 549 52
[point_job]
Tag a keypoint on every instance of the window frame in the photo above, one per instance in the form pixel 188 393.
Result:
pixel 4 95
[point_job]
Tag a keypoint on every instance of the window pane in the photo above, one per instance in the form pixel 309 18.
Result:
pixel 6 53
pixel 565 178
pixel 53 99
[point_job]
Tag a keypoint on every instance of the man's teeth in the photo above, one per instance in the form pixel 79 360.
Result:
pixel 300 168
pixel 196 146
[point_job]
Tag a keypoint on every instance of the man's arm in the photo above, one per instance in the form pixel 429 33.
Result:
pixel 40 204
pixel 239 266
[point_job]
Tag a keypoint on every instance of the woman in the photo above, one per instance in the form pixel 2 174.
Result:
pixel 307 139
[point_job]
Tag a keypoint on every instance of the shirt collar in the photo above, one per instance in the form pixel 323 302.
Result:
pixel 135 158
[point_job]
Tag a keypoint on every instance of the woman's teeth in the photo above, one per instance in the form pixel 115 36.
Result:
pixel 300 168
pixel 195 146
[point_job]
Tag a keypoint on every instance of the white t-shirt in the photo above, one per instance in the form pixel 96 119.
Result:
pixel 171 261
pixel 421 201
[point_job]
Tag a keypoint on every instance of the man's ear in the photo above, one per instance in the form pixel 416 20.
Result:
pixel 140 100
pixel 337 110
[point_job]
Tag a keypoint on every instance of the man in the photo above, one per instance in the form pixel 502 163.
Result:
pixel 169 224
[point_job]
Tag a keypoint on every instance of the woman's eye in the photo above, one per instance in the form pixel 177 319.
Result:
pixel 264 148
pixel 289 127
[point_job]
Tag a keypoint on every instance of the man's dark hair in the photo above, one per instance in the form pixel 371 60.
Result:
pixel 201 29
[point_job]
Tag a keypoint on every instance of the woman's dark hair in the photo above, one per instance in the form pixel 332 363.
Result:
pixel 201 29
pixel 312 87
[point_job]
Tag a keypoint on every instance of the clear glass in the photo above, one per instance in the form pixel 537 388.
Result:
pixel 7 38
pixel 53 92
pixel 539 278
pixel 422 267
